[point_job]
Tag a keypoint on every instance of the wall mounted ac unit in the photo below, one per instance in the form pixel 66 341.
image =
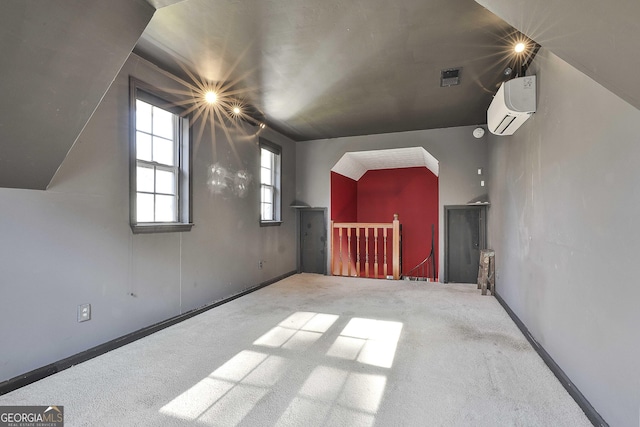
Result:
pixel 514 103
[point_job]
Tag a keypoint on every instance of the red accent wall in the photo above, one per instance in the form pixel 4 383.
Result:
pixel 344 200
pixel 412 193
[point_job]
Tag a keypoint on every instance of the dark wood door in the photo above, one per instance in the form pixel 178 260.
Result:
pixel 465 237
pixel 313 241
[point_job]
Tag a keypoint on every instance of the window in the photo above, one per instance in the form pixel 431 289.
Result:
pixel 270 183
pixel 160 179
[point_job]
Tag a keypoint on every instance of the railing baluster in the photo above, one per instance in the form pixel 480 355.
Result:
pixel 349 251
pixel 366 252
pixel 340 239
pixel 358 251
pixel 386 268
pixel 375 251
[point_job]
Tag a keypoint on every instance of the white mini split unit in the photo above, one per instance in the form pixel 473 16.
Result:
pixel 514 103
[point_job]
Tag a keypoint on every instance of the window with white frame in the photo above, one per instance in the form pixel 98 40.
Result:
pixel 270 183
pixel 160 184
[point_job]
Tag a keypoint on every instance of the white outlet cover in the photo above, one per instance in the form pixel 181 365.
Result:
pixel 84 312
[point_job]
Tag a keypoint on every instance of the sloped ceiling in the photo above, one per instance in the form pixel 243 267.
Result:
pixel 157 4
pixel 599 38
pixel 357 163
pixel 58 60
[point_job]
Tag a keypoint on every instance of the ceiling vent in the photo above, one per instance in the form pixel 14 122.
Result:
pixel 450 77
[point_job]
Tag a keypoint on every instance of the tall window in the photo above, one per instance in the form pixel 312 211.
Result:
pixel 270 183
pixel 160 166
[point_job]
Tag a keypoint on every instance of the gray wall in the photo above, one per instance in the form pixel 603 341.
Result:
pixel 565 199
pixel 72 244
pixel 459 153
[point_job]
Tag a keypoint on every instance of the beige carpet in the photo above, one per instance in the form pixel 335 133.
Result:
pixel 321 351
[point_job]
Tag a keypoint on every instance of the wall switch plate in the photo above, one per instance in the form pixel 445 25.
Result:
pixel 84 312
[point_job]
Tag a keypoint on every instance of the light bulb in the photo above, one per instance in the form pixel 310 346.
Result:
pixel 211 97
pixel 519 48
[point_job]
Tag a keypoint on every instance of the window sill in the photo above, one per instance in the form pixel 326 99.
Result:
pixel 160 228
pixel 270 223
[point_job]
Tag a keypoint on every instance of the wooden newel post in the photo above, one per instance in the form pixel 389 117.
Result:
pixel 331 250
pixel 396 247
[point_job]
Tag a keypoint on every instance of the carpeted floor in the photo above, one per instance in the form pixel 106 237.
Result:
pixel 327 351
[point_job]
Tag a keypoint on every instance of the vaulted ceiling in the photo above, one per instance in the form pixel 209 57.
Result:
pixel 309 68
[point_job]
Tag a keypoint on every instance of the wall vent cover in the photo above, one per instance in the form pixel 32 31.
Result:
pixel 450 77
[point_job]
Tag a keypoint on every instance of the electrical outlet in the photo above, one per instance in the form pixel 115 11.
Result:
pixel 260 264
pixel 84 312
